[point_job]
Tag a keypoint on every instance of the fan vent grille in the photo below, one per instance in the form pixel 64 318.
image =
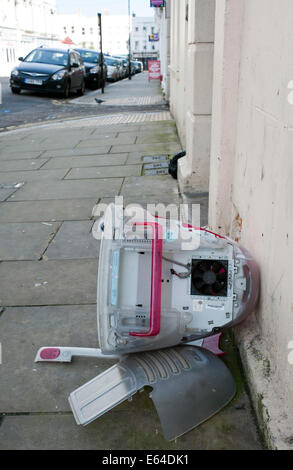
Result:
pixel 209 278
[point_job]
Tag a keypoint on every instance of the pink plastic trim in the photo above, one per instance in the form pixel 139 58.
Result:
pixel 156 282
pixel 50 354
pixel 212 343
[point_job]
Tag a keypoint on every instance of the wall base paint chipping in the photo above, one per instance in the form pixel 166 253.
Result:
pixel 267 396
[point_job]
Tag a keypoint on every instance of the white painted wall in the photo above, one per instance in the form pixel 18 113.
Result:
pixel 191 78
pixel 251 193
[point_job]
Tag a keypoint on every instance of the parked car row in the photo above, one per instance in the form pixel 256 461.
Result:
pixel 63 71
pixel 118 68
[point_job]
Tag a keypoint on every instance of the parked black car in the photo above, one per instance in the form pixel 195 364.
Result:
pixel 49 70
pixel 93 69
pixel 137 66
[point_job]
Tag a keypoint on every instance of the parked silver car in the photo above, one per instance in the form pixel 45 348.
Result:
pixel 113 68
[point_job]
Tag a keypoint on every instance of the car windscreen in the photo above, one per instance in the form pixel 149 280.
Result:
pixel 89 56
pixel 43 56
pixel 110 61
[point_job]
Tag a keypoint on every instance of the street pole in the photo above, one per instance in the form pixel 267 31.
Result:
pixel 129 41
pixel 101 51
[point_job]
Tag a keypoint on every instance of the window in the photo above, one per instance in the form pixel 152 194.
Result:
pixel 75 59
pixel 136 44
pixel 144 28
pixel 72 29
pixel 137 29
pixel 65 29
pixel 83 31
pixel 43 56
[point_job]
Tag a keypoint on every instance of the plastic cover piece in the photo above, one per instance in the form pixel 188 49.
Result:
pixel 189 386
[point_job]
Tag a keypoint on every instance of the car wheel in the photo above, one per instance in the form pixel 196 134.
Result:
pixel 82 89
pixel 15 91
pixel 66 90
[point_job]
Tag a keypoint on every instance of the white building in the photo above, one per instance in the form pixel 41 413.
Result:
pixel 141 46
pixel 25 24
pixel 84 32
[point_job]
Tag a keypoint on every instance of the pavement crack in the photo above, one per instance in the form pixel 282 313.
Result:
pixel 51 238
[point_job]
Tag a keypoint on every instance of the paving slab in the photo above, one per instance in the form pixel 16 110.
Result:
pixel 34 175
pixel 157 186
pixel 69 189
pixel 80 162
pixel 55 282
pixel 145 157
pixel 147 149
pixel 143 201
pixel 104 172
pixel 78 152
pixel 131 426
pixel 123 139
pixel 4 155
pixel 148 202
pixel 20 165
pixel 6 192
pixel 26 241
pixel 118 128
pixel 47 211
pixel 61 132
pixel 27 146
pixel 150 132
pixel 157 138
pixel 27 386
pixel 159 124
pixel 74 240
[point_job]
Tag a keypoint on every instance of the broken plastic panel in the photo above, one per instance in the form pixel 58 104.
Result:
pixel 65 354
pixel 189 386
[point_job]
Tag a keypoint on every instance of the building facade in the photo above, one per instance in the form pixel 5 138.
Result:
pixel 230 90
pixel 144 39
pixel 84 32
pixel 25 24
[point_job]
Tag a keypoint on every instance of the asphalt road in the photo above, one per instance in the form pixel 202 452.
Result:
pixel 31 107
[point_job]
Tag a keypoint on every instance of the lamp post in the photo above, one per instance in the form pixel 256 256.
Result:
pixel 101 51
pixel 129 41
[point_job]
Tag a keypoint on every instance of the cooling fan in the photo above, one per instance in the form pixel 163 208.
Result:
pixel 209 277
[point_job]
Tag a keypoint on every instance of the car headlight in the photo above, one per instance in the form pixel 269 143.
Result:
pixel 14 73
pixel 58 75
pixel 94 70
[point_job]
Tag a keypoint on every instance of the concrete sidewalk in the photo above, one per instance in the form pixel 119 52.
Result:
pixel 137 92
pixel 51 178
